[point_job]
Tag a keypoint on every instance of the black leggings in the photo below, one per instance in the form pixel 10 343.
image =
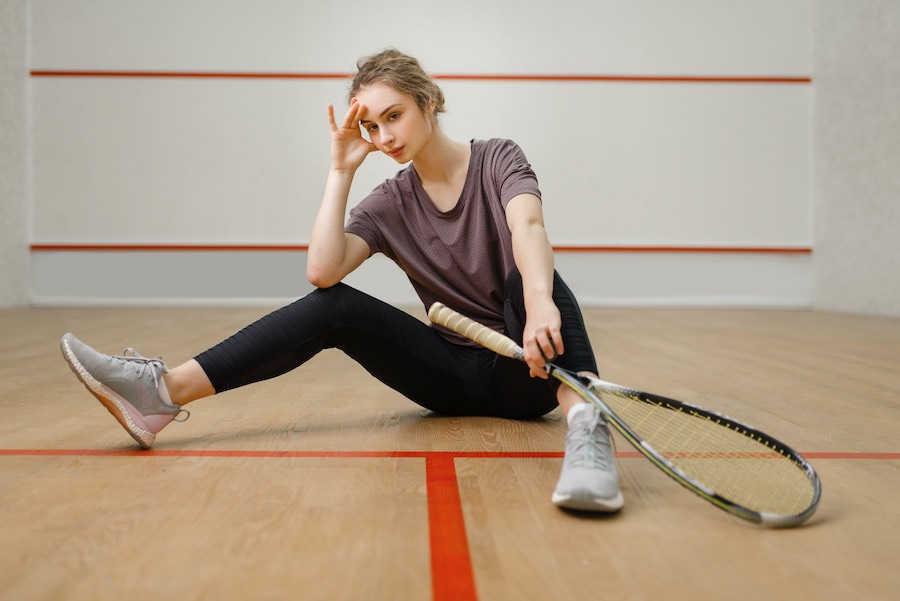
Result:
pixel 402 352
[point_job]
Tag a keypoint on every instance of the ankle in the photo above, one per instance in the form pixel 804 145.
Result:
pixel 568 399
pixel 574 411
pixel 187 382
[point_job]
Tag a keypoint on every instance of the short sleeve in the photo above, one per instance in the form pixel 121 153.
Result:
pixel 512 172
pixel 361 223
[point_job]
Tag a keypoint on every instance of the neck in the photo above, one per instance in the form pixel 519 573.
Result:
pixel 441 159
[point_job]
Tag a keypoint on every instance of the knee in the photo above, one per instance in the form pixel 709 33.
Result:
pixel 341 304
pixel 333 300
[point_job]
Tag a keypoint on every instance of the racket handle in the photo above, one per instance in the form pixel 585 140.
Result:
pixel 483 335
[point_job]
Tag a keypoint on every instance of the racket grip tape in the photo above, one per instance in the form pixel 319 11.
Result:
pixel 483 335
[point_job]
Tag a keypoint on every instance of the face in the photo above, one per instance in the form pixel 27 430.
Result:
pixel 394 122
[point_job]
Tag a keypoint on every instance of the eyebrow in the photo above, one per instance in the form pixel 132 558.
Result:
pixel 383 113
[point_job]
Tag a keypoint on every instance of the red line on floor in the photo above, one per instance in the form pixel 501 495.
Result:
pixel 452 574
pixel 274 454
pixel 828 455
pixel 452 577
pixel 373 454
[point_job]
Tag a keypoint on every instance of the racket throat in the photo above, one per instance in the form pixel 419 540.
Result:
pixel 566 376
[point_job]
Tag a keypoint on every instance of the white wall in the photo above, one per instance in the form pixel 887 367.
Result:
pixel 857 174
pixel 231 161
pixel 14 150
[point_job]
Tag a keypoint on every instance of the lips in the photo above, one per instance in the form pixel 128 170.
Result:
pixel 396 152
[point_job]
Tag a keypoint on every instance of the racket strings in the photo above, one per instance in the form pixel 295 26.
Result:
pixel 718 455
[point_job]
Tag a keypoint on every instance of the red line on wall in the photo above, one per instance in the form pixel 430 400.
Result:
pixel 686 249
pixel 303 248
pixel 630 78
pixel 168 247
pixel 766 79
pixel 185 74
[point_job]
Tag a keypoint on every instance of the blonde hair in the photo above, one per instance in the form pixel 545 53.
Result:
pixel 403 73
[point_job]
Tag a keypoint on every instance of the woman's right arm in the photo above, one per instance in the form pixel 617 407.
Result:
pixel 333 253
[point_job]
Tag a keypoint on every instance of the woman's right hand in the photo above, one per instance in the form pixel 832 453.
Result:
pixel 348 146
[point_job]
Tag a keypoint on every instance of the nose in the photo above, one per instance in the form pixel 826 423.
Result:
pixel 386 135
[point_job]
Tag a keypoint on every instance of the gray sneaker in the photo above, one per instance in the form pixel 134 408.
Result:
pixel 129 386
pixel 588 480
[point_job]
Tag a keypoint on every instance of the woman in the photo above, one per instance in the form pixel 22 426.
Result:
pixel 464 222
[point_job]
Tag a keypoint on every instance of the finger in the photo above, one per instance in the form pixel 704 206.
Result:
pixel 351 119
pixel 331 122
pixel 548 343
pixel 535 360
pixel 539 373
pixel 557 341
pixel 547 348
pixel 361 110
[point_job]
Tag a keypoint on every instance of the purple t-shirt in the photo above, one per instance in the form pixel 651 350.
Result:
pixel 462 257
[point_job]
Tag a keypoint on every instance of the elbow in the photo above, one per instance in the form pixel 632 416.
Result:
pixel 320 278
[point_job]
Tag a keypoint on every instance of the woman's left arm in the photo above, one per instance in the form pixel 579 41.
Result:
pixel 534 258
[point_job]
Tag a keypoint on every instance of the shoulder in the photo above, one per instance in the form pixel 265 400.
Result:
pixel 501 151
pixel 500 155
pixel 495 145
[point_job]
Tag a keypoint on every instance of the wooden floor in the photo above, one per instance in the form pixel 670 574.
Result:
pixel 325 485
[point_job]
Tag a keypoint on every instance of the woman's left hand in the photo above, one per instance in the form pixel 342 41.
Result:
pixel 542 340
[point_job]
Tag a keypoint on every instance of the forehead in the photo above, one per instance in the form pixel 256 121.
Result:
pixel 379 96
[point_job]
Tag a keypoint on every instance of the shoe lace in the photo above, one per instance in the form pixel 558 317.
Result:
pixel 154 366
pixel 589 445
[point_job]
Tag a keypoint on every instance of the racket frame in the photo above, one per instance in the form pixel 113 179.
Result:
pixel 584 385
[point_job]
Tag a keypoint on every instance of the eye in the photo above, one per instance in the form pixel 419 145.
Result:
pixel 394 116
pixel 371 128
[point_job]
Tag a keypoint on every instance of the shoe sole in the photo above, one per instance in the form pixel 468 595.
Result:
pixel 115 404
pixel 589 503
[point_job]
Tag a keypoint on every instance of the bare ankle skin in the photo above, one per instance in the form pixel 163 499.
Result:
pixel 187 383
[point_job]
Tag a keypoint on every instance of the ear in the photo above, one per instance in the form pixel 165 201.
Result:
pixel 429 112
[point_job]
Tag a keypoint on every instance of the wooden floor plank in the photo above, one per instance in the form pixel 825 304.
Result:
pixel 265 524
